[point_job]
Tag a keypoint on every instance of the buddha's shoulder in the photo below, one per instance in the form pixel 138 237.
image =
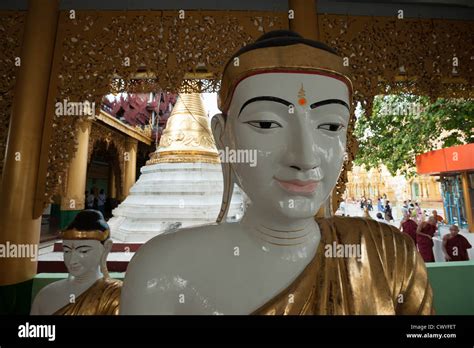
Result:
pixel 186 243
pixel 53 289
pixel 351 228
pixel 112 285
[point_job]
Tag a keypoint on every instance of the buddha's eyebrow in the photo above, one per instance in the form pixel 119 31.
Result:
pixel 266 98
pixel 329 101
pixel 83 247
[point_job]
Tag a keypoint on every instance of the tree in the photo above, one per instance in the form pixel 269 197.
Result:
pixel 403 126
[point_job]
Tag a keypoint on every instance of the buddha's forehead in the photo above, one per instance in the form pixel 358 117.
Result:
pixel 75 243
pixel 291 87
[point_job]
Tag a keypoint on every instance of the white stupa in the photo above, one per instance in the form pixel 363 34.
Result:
pixel 182 183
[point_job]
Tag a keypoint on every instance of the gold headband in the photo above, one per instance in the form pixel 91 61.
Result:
pixel 294 58
pixel 81 235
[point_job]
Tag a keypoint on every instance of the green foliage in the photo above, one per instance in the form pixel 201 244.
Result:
pixel 403 126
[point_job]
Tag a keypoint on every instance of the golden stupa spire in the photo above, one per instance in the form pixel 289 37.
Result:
pixel 187 136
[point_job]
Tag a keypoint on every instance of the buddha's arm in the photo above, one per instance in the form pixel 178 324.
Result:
pixel 156 283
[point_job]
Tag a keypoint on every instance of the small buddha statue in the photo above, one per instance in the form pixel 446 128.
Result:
pixel 88 290
pixel 288 99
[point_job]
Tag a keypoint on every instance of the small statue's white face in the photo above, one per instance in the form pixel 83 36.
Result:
pixel 297 126
pixel 82 256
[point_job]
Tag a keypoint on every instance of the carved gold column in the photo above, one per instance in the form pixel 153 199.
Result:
pixel 466 187
pixel 73 201
pixel 130 166
pixel 18 185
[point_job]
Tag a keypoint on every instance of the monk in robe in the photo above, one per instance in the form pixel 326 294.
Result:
pixel 455 246
pixel 88 290
pixel 424 239
pixel 409 227
pixel 288 99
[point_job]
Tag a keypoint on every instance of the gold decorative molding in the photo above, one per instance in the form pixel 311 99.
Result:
pixel 132 132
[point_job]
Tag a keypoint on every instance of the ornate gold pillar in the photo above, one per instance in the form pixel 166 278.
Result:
pixel 73 200
pixel 18 185
pixel 130 166
pixel 466 187
pixel 305 21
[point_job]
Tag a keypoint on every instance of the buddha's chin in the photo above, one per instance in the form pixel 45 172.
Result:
pixel 301 208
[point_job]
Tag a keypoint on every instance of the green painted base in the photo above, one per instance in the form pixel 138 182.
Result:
pixel 16 298
pixel 453 285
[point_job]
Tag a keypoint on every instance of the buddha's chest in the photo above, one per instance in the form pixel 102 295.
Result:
pixel 61 295
pixel 243 287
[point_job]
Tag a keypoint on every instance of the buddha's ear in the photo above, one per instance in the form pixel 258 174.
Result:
pixel 218 129
pixel 108 245
pixel 103 260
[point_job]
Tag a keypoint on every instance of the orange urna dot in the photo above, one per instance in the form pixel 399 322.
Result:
pixel 302 101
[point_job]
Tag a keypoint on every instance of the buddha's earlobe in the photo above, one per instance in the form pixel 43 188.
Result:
pixel 218 130
pixel 103 260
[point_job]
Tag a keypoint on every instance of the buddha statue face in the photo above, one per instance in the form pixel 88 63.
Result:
pixel 85 256
pixel 297 125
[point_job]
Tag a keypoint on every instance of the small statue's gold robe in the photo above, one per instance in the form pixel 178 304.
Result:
pixel 102 298
pixel 389 277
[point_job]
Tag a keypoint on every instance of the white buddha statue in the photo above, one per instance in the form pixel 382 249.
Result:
pixel 88 290
pixel 288 99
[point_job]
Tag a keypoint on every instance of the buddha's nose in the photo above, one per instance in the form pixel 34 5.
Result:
pixel 304 154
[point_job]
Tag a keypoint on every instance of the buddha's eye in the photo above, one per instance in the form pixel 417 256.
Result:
pixel 332 127
pixel 264 124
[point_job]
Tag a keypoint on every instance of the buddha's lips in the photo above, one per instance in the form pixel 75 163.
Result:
pixel 298 186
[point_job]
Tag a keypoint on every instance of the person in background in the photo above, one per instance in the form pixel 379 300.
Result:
pixel 90 200
pixel 370 207
pixel 455 246
pixel 379 205
pixel 409 226
pixel 342 208
pixel 424 239
pixel 362 203
pixel 411 210
pixel 380 217
pixel 101 201
pixel 404 209
pixel 388 212
pixel 438 218
pixel 419 213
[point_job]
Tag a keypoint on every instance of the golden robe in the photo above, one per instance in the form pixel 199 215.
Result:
pixel 389 278
pixel 102 298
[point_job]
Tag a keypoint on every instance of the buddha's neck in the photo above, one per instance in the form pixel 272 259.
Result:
pixel 290 238
pixel 87 278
